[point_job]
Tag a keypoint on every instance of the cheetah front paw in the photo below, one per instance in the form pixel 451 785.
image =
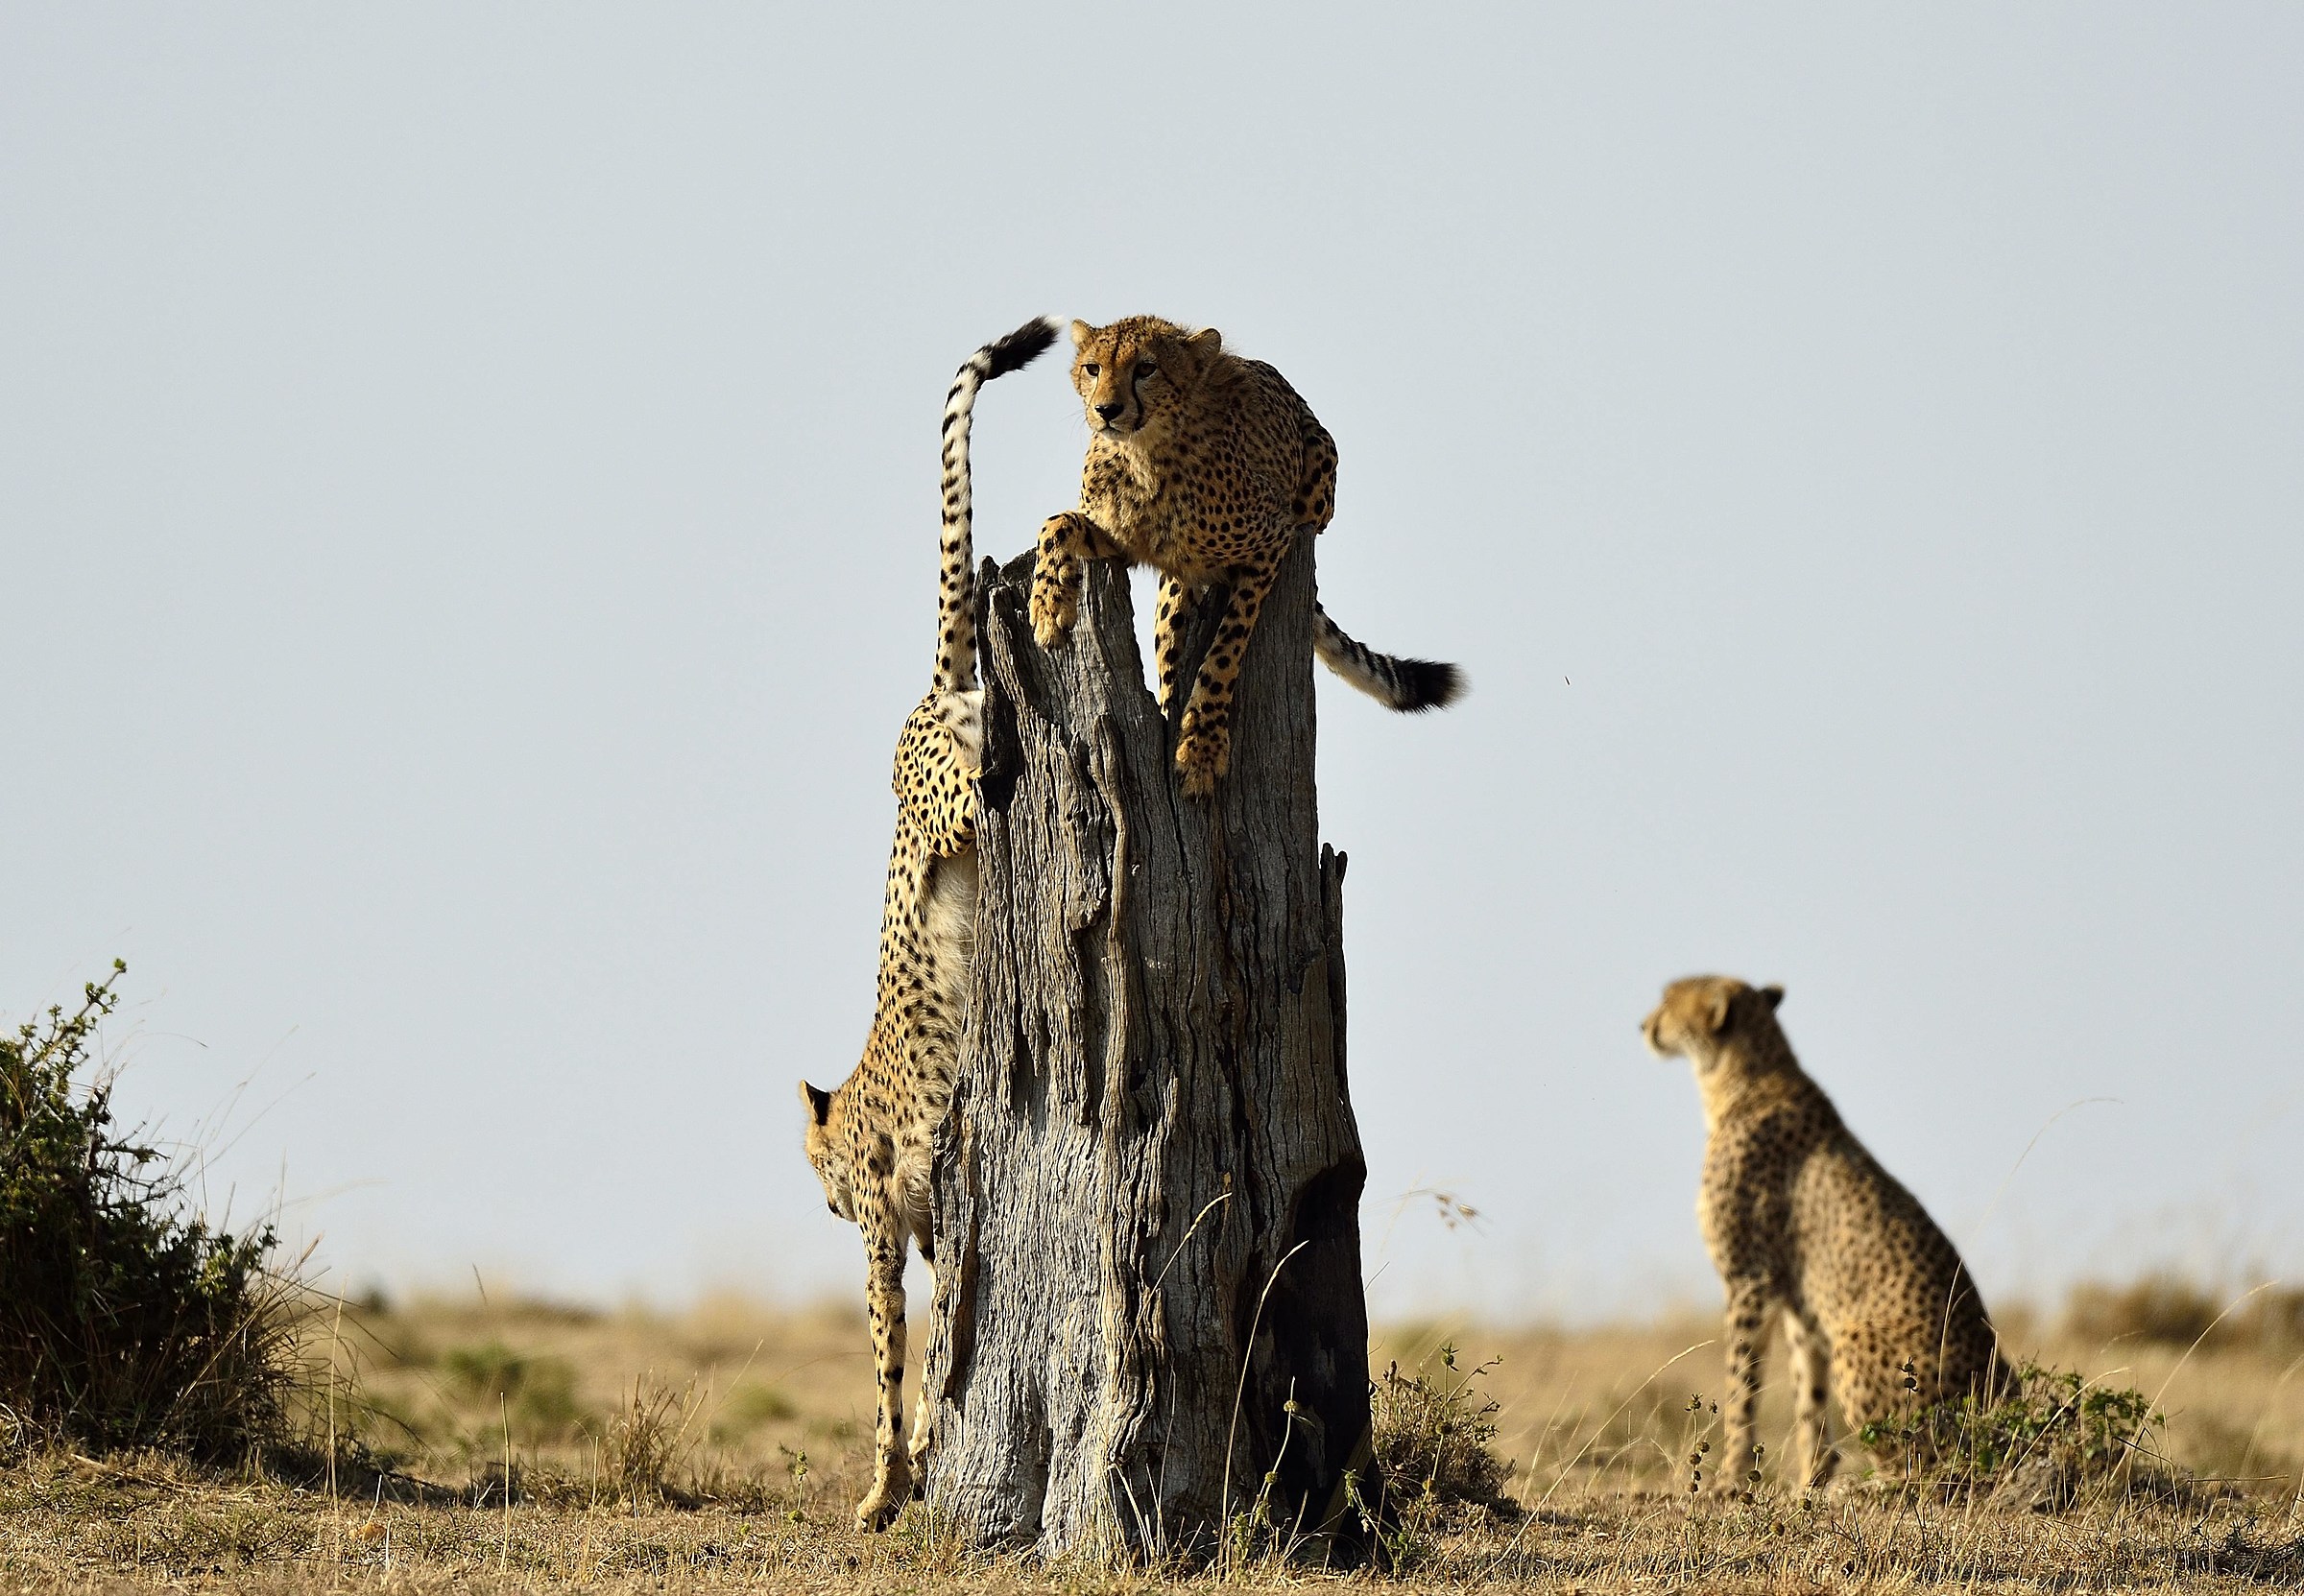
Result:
pixel 890 1490
pixel 1055 608
pixel 1202 755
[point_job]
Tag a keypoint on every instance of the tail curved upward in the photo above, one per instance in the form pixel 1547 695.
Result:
pixel 956 593
pixel 1407 685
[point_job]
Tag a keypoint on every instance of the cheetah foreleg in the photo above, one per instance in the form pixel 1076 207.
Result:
pixel 1811 1361
pixel 1746 1333
pixel 884 1299
pixel 1204 737
pixel 1065 539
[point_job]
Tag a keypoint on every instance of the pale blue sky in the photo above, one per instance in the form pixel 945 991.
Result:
pixel 468 486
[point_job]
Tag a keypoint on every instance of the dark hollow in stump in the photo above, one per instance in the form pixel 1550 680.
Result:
pixel 1148 1319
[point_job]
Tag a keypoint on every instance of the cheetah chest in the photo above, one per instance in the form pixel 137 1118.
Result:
pixel 1193 513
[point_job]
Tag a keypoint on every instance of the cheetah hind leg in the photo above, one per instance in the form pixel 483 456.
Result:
pixel 1171 620
pixel 963 717
pixel 938 757
pixel 1811 1360
pixel 921 1443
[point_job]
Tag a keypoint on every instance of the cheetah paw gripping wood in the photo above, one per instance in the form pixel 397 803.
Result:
pixel 1204 466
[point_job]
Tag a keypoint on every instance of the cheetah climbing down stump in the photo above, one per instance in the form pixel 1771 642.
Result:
pixel 1805 1225
pixel 1204 466
pixel 869 1139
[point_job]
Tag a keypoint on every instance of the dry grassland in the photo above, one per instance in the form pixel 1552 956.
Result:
pixel 724 1447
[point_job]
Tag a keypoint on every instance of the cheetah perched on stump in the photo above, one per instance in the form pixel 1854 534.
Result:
pixel 1204 466
pixel 1803 1223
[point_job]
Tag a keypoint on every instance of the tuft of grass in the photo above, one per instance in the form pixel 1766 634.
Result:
pixel 123 1324
pixel 644 1441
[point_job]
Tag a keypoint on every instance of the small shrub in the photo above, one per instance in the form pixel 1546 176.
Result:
pixel 2046 1443
pixel 2272 1321
pixel 123 1324
pixel 1433 1442
pixel 490 1369
pixel 537 1393
pixel 750 1407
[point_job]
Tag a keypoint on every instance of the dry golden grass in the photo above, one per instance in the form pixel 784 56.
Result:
pixel 728 1398
pixel 1573 1408
pixel 665 1451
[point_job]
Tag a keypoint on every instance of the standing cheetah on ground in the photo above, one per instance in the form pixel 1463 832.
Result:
pixel 1802 1223
pixel 869 1140
pixel 1203 465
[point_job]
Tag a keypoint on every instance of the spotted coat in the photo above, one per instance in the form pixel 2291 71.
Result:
pixel 1204 466
pixel 1806 1227
pixel 869 1139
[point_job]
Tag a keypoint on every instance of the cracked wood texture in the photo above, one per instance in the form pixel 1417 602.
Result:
pixel 1148 1317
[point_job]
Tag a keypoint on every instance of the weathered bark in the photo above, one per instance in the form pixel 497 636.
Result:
pixel 1147 1193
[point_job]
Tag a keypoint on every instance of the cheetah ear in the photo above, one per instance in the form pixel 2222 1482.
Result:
pixel 1206 344
pixel 1082 332
pixel 819 1102
pixel 1773 997
pixel 1713 1011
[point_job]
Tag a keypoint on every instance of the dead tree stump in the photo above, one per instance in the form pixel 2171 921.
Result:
pixel 1149 1320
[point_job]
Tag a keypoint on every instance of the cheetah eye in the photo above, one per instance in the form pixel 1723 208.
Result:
pixel 1088 368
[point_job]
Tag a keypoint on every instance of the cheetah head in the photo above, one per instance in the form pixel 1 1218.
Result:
pixel 825 1152
pixel 1699 1013
pixel 1137 372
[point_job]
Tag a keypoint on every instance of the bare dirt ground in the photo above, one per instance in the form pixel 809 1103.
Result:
pixel 724 1447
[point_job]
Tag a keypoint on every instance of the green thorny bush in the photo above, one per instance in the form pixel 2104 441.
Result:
pixel 2045 1441
pixel 123 1324
pixel 1433 1438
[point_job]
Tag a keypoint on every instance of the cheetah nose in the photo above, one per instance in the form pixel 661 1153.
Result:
pixel 1110 412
